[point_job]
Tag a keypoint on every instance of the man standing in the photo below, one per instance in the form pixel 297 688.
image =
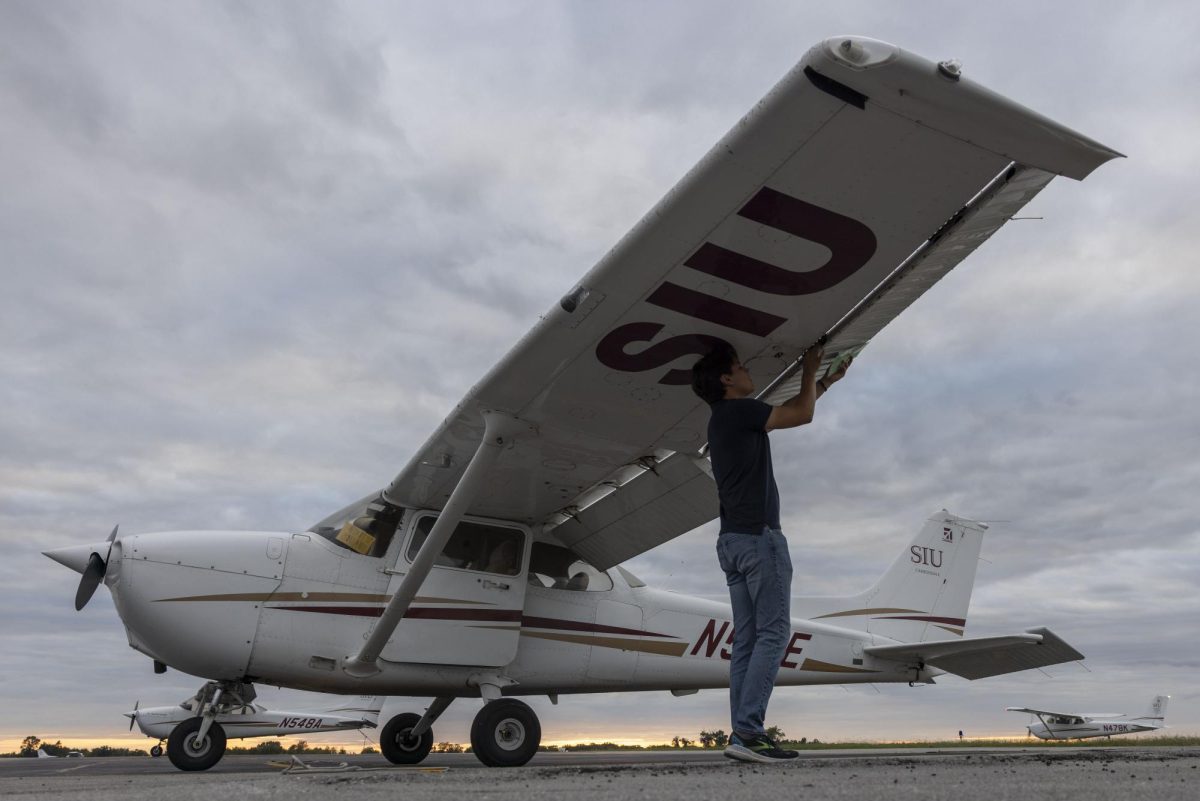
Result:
pixel 751 547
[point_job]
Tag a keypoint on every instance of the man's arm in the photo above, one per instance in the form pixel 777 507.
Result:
pixel 799 409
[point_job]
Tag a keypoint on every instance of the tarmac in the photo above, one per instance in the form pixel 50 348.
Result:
pixel 1097 774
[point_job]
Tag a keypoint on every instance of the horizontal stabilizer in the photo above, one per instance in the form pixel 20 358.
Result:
pixel 980 657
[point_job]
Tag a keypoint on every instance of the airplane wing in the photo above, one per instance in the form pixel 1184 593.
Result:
pixel 861 179
pixel 980 657
pixel 1087 715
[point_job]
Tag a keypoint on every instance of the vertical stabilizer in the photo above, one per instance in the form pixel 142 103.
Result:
pixel 366 706
pixel 1157 713
pixel 925 593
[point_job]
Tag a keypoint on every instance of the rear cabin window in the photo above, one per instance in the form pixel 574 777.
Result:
pixel 558 568
pixel 474 546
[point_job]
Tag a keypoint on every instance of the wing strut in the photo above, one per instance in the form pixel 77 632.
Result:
pixel 499 433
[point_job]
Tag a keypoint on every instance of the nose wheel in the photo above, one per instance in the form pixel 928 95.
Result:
pixel 189 748
pixel 398 743
pixel 505 734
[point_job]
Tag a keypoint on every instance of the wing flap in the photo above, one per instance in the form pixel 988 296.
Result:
pixel 675 496
pixel 980 657
pixel 957 239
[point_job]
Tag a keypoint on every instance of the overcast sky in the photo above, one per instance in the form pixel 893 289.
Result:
pixel 254 252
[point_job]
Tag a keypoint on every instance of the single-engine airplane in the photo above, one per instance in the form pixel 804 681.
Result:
pixel 41 754
pixel 240 721
pixel 488 567
pixel 1081 725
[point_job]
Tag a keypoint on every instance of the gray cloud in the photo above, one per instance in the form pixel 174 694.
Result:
pixel 254 252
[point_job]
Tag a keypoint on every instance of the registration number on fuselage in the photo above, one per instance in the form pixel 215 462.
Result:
pixel 300 723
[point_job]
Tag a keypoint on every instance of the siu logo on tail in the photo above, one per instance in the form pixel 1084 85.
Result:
pixel 925 556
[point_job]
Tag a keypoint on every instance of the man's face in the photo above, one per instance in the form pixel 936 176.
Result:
pixel 739 381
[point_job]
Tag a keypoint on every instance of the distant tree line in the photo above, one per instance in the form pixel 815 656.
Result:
pixel 31 744
pixel 716 738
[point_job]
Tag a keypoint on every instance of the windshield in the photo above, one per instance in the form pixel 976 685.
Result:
pixel 366 526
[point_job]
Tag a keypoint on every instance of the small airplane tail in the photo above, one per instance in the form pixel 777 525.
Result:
pixel 43 755
pixel 368 706
pixel 1158 710
pixel 923 595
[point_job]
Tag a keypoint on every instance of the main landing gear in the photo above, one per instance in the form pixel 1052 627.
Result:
pixel 198 743
pixel 505 734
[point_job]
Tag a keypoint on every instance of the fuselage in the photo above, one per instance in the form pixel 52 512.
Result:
pixel 1069 727
pixel 251 720
pixel 288 609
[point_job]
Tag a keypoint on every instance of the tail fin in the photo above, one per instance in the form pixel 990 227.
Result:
pixel 42 754
pixel 368 706
pixel 1157 710
pixel 925 593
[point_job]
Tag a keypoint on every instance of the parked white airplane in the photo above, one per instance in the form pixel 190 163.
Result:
pixel 41 754
pixel 1081 725
pixel 487 567
pixel 239 721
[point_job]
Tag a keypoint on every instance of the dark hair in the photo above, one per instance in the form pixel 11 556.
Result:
pixel 706 373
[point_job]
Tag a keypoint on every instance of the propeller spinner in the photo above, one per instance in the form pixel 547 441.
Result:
pixel 86 560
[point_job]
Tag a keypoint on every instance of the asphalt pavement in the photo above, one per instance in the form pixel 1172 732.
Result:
pixel 1098 774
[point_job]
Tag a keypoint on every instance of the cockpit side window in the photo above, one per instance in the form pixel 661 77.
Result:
pixel 475 546
pixel 555 567
pixel 366 527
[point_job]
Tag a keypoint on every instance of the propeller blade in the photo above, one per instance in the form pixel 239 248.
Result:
pixel 133 715
pixel 93 574
pixel 111 537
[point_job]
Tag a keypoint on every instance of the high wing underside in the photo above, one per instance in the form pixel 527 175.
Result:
pixel 1086 715
pixel 981 657
pixel 860 180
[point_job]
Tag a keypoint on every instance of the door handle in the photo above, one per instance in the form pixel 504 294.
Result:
pixel 495 585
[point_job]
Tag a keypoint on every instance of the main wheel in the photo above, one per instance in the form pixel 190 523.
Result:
pixel 186 754
pixel 505 734
pixel 397 743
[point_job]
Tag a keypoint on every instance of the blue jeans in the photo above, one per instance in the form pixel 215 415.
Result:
pixel 758 570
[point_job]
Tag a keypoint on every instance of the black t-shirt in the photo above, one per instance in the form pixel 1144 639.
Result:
pixel 741 460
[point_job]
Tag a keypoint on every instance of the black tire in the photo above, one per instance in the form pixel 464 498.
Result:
pixel 505 734
pixel 398 746
pixel 183 752
pixel 156 750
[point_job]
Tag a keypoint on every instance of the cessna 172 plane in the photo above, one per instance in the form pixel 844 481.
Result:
pixel 488 567
pixel 1081 725
pixel 248 720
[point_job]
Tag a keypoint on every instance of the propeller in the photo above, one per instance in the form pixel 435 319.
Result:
pixel 93 574
pixel 133 715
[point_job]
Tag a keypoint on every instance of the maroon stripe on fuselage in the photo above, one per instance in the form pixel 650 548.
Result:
pixel 505 615
pixel 424 613
pixel 579 625
pixel 953 621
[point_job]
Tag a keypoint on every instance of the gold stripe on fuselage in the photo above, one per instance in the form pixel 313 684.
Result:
pixel 621 643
